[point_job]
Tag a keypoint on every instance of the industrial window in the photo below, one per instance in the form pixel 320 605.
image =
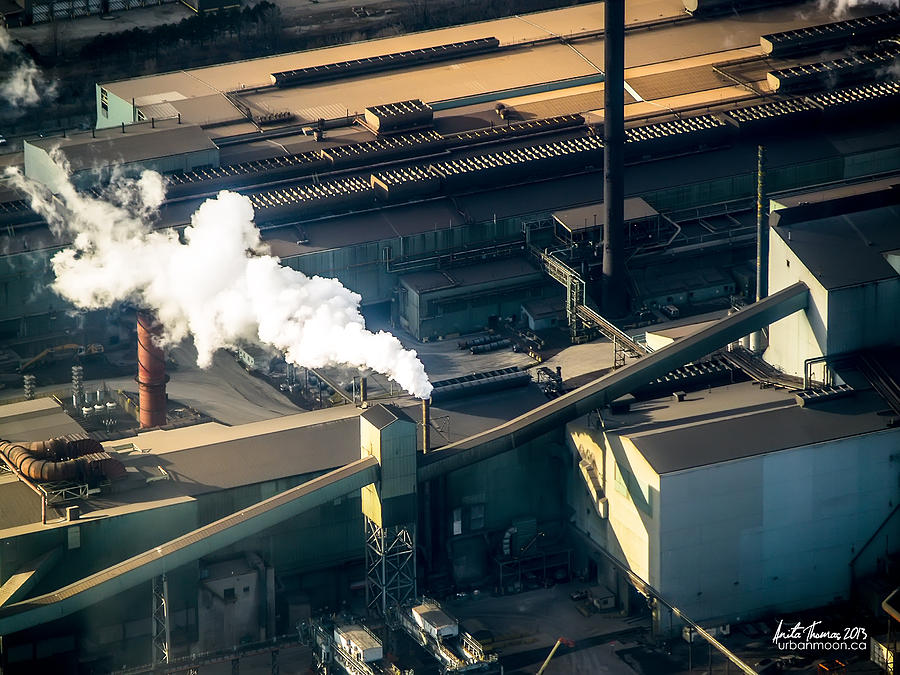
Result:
pixel 229 595
pixel 476 517
pixel 104 102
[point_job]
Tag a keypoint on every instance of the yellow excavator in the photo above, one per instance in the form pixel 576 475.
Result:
pixel 59 350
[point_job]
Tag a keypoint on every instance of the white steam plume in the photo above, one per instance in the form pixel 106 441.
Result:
pixel 21 83
pixel 217 283
pixel 840 9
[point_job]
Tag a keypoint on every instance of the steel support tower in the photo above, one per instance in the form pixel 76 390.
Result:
pixel 160 617
pixel 390 508
pixel 390 566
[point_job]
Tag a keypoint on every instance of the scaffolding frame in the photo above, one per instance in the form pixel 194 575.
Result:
pixel 160 631
pixel 390 566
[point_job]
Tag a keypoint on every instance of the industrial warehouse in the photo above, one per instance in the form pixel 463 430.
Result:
pixel 648 254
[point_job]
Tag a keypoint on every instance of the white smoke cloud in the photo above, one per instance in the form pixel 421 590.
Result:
pixel 216 283
pixel 21 82
pixel 840 9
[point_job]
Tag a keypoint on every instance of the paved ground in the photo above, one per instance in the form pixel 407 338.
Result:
pixel 225 392
pixel 529 623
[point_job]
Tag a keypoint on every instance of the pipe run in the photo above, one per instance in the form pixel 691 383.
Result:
pixel 59 459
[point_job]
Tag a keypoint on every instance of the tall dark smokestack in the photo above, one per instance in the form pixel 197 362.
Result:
pixel 151 376
pixel 613 164
pixel 426 424
pixel 762 241
pixel 363 391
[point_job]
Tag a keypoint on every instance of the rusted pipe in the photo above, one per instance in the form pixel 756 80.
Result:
pixel 151 376
pixel 61 460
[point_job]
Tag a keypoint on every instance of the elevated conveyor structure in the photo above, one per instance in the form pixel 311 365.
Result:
pixel 354 476
pixel 598 393
pixel 187 548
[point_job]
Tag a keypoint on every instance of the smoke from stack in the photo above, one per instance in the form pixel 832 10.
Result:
pixel 840 9
pixel 21 82
pixel 216 284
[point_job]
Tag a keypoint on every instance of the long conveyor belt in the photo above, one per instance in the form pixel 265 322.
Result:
pixel 187 548
pixel 598 393
pixel 512 434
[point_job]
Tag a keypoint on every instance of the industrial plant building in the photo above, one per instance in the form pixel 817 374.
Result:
pixel 736 463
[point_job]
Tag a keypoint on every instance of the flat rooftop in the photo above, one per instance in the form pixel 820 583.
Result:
pixel 848 249
pixel 471 275
pixel 199 94
pixel 139 142
pixel 211 457
pixel 738 421
pixel 593 215
pixel 36 420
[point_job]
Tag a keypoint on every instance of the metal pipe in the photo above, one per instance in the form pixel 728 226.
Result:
pixel 363 391
pixel 762 241
pixel 426 424
pixel 151 376
pixel 613 153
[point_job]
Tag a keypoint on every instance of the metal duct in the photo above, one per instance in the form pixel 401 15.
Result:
pixel 59 459
pixel 151 376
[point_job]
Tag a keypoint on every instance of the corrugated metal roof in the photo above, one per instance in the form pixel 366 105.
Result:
pixel 139 142
pixel 739 421
pixel 37 420
pixel 381 415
